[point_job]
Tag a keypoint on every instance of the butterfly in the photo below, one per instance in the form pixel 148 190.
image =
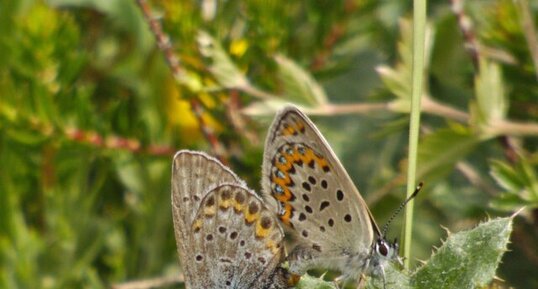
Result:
pixel 316 200
pixel 226 237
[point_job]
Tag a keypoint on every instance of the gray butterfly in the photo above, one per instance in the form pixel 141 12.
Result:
pixel 226 237
pixel 315 198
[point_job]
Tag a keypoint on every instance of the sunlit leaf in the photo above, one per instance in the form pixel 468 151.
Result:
pixel 519 182
pixel 491 102
pixel 225 71
pixel 299 86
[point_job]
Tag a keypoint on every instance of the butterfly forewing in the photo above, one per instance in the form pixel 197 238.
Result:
pixel 315 196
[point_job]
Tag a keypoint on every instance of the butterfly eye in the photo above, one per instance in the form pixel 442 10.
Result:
pixel 382 248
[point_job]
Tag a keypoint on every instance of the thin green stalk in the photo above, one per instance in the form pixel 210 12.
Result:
pixel 419 27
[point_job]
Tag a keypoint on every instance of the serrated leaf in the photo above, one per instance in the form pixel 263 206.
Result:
pixel 467 259
pixel 299 86
pixel 394 279
pixel 310 282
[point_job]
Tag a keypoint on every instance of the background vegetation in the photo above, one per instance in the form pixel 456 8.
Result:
pixel 91 112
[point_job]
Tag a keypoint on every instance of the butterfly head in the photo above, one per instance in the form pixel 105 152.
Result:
pixel 385 250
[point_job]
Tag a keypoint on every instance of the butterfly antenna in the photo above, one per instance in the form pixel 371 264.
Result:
pixel 400 208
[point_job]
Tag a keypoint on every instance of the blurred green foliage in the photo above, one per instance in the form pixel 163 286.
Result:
pixel 90 115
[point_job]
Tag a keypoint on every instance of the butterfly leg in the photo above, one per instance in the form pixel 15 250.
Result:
pixel 302 258
pixel 338 283
pixel 361 283
pixel 341 281
pixel 383 275
pixel 282 278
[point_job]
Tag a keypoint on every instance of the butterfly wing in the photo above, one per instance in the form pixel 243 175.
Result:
pixel 193 175
pixel 237 241
pixel 313 193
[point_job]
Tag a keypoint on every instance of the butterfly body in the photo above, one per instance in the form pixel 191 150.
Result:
pixel 314 197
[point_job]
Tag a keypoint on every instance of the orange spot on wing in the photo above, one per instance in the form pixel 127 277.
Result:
pixel 300 126
pixel 322 162
pixel 308 156
pixel 296 156
pixel 225 204
pixel 260 231
pixel 287 166
pixel 210 211
pixel 288 131
pixel 237 206
pixel 197 225
pixel 285 196
pixel 282 182
pixel 285 218
pixel 273 246
pixel 250 218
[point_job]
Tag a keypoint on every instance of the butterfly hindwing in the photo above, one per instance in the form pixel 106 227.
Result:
pixel 225 235
pixel 237 240
pixel 193 175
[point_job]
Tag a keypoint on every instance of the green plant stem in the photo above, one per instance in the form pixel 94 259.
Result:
pixel 419 27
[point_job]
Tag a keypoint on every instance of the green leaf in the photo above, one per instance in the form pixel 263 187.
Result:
pixel 506 176
pixel 520 184
pixel 267 107
pixel 467 259
pixel 25 136
pixel 394 279
pixel 224 70
pixel 310 282
pixel 491 104
pixel 123 12
pixel 130 173
pixel 299 86
pixel 440 150
pixel 398 79
pixel 508 202
pixel 397 82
